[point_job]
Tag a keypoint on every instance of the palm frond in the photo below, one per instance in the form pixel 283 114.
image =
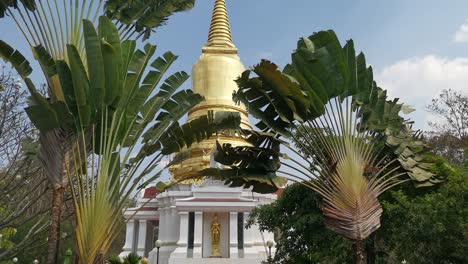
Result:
pixel 140 18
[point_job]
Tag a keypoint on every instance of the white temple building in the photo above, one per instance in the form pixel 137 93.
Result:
pixel 196 217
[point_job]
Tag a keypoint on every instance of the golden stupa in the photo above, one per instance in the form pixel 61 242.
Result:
pixel 213 77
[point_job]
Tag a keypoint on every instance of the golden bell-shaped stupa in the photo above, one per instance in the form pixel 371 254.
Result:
pixel 213 77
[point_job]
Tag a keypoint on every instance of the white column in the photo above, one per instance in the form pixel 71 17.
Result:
pixel 127 248
pixel 248 236
pixel 180 251
pixel 162 225
pixel 198 235
pixel 143 224
pixel 233 250
pixel 183 234
pixel 175 224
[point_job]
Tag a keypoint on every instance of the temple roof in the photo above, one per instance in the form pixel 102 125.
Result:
pixel 151 192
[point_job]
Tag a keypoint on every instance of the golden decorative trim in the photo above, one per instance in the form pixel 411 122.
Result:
pixel 211 106
pixel 218 50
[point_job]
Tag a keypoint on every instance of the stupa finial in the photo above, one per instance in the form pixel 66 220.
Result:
pixel 220 31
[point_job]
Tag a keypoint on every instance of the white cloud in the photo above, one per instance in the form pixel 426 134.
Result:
pixel 462 33
pixel 417 80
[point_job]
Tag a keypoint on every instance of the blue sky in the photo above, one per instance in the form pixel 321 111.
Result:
pixel 410 43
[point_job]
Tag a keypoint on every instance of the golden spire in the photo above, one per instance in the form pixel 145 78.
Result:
pixel 220 31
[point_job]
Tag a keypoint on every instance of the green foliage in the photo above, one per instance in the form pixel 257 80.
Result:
pixel 132 16
pixel 132 259
pixel 321 71
pixel 143 17
pixel 419 225
pixel 301 234
pixel 129 259
pixel 102 96
pixel 35 246
pixel 7 234
pixel 5 4
pixel 113 260
pixel 428 227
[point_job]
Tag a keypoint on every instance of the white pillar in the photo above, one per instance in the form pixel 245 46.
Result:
pixel 162 225
pixel 180 251
pixel 248 233
pixel 183 234
pixel 127 248
pixel 198 235
pixel 175 224
pixel 233 250
pixel 142 231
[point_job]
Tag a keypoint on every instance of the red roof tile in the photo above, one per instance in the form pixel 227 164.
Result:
pixel 151 192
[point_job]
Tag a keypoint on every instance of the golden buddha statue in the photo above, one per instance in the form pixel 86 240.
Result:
pixel 215 237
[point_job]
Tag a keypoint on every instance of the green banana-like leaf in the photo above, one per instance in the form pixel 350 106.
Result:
pixel 247 178
pixel 112 57
pixel 144 16
pixel 254 165
pixel 66 82
pixel 48 66
pixel 18 61
pixel 178 137
pixel 5 4
pixel 96 70
pixel 322 70
pixel 45 60
pixel 80 86
pixel 171 138
pixel 256 96
pixel 128 49
pixel 138 94
pixel 43 117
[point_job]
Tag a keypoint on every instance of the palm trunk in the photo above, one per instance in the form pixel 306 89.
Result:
pixel 99 259
pixel 55 219
pixel 359 252
pixel 58 148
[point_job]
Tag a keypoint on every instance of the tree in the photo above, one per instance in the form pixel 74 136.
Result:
pixel 122 125
pixel 48 30
pixel 449 136
pixel 426 225
pixel 357 144
pixel 23 186
pixel 302 237
pixel 419 225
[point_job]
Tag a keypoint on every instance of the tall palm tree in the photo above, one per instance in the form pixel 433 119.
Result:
pixel 53 30
pixel 341 136
pixel 128 139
